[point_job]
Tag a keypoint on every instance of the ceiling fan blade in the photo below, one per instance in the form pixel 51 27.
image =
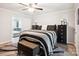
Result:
pixel 24 9
pixel 23 4
pixel 31 6
pixel 39 8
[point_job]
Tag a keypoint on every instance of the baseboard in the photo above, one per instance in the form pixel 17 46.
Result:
pixel 4 42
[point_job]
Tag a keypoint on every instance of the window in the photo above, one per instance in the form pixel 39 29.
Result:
pixel 16 26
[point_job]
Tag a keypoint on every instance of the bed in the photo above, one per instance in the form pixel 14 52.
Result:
pixel 45 38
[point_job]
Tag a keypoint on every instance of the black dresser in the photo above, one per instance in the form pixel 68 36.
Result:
pixel 62 34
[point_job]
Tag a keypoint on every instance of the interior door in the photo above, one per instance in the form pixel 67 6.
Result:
pixel 77 29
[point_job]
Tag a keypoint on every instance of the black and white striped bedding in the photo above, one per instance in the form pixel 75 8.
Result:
pixel 47 39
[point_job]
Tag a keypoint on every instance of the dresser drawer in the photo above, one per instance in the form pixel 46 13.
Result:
pixel 61 41
pixel 62 33
pixel 62 29
pixel 62 26
pixel 62 37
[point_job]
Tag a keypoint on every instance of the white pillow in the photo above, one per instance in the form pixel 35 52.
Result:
pixel 44 27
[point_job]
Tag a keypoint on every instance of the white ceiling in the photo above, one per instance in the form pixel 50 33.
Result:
pixel 46 6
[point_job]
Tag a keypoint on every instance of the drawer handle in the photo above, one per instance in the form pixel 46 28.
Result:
pixel 61 26
pixel 61 33
pixel 61 29
pixel 61 40
pixel 61 36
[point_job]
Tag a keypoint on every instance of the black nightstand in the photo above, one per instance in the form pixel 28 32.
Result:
pixel 62 34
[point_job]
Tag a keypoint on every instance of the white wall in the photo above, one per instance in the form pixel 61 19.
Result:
pixel 51 18
pixel 6 25
pixel 43 19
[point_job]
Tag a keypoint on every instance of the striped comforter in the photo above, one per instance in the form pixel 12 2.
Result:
pixel 47 39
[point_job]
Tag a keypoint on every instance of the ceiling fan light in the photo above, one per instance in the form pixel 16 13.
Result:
pixel 31 9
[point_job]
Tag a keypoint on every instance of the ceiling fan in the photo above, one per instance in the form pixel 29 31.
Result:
pixel 31 6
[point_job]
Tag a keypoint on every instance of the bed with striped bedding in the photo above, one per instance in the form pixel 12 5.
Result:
pixel 46 39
